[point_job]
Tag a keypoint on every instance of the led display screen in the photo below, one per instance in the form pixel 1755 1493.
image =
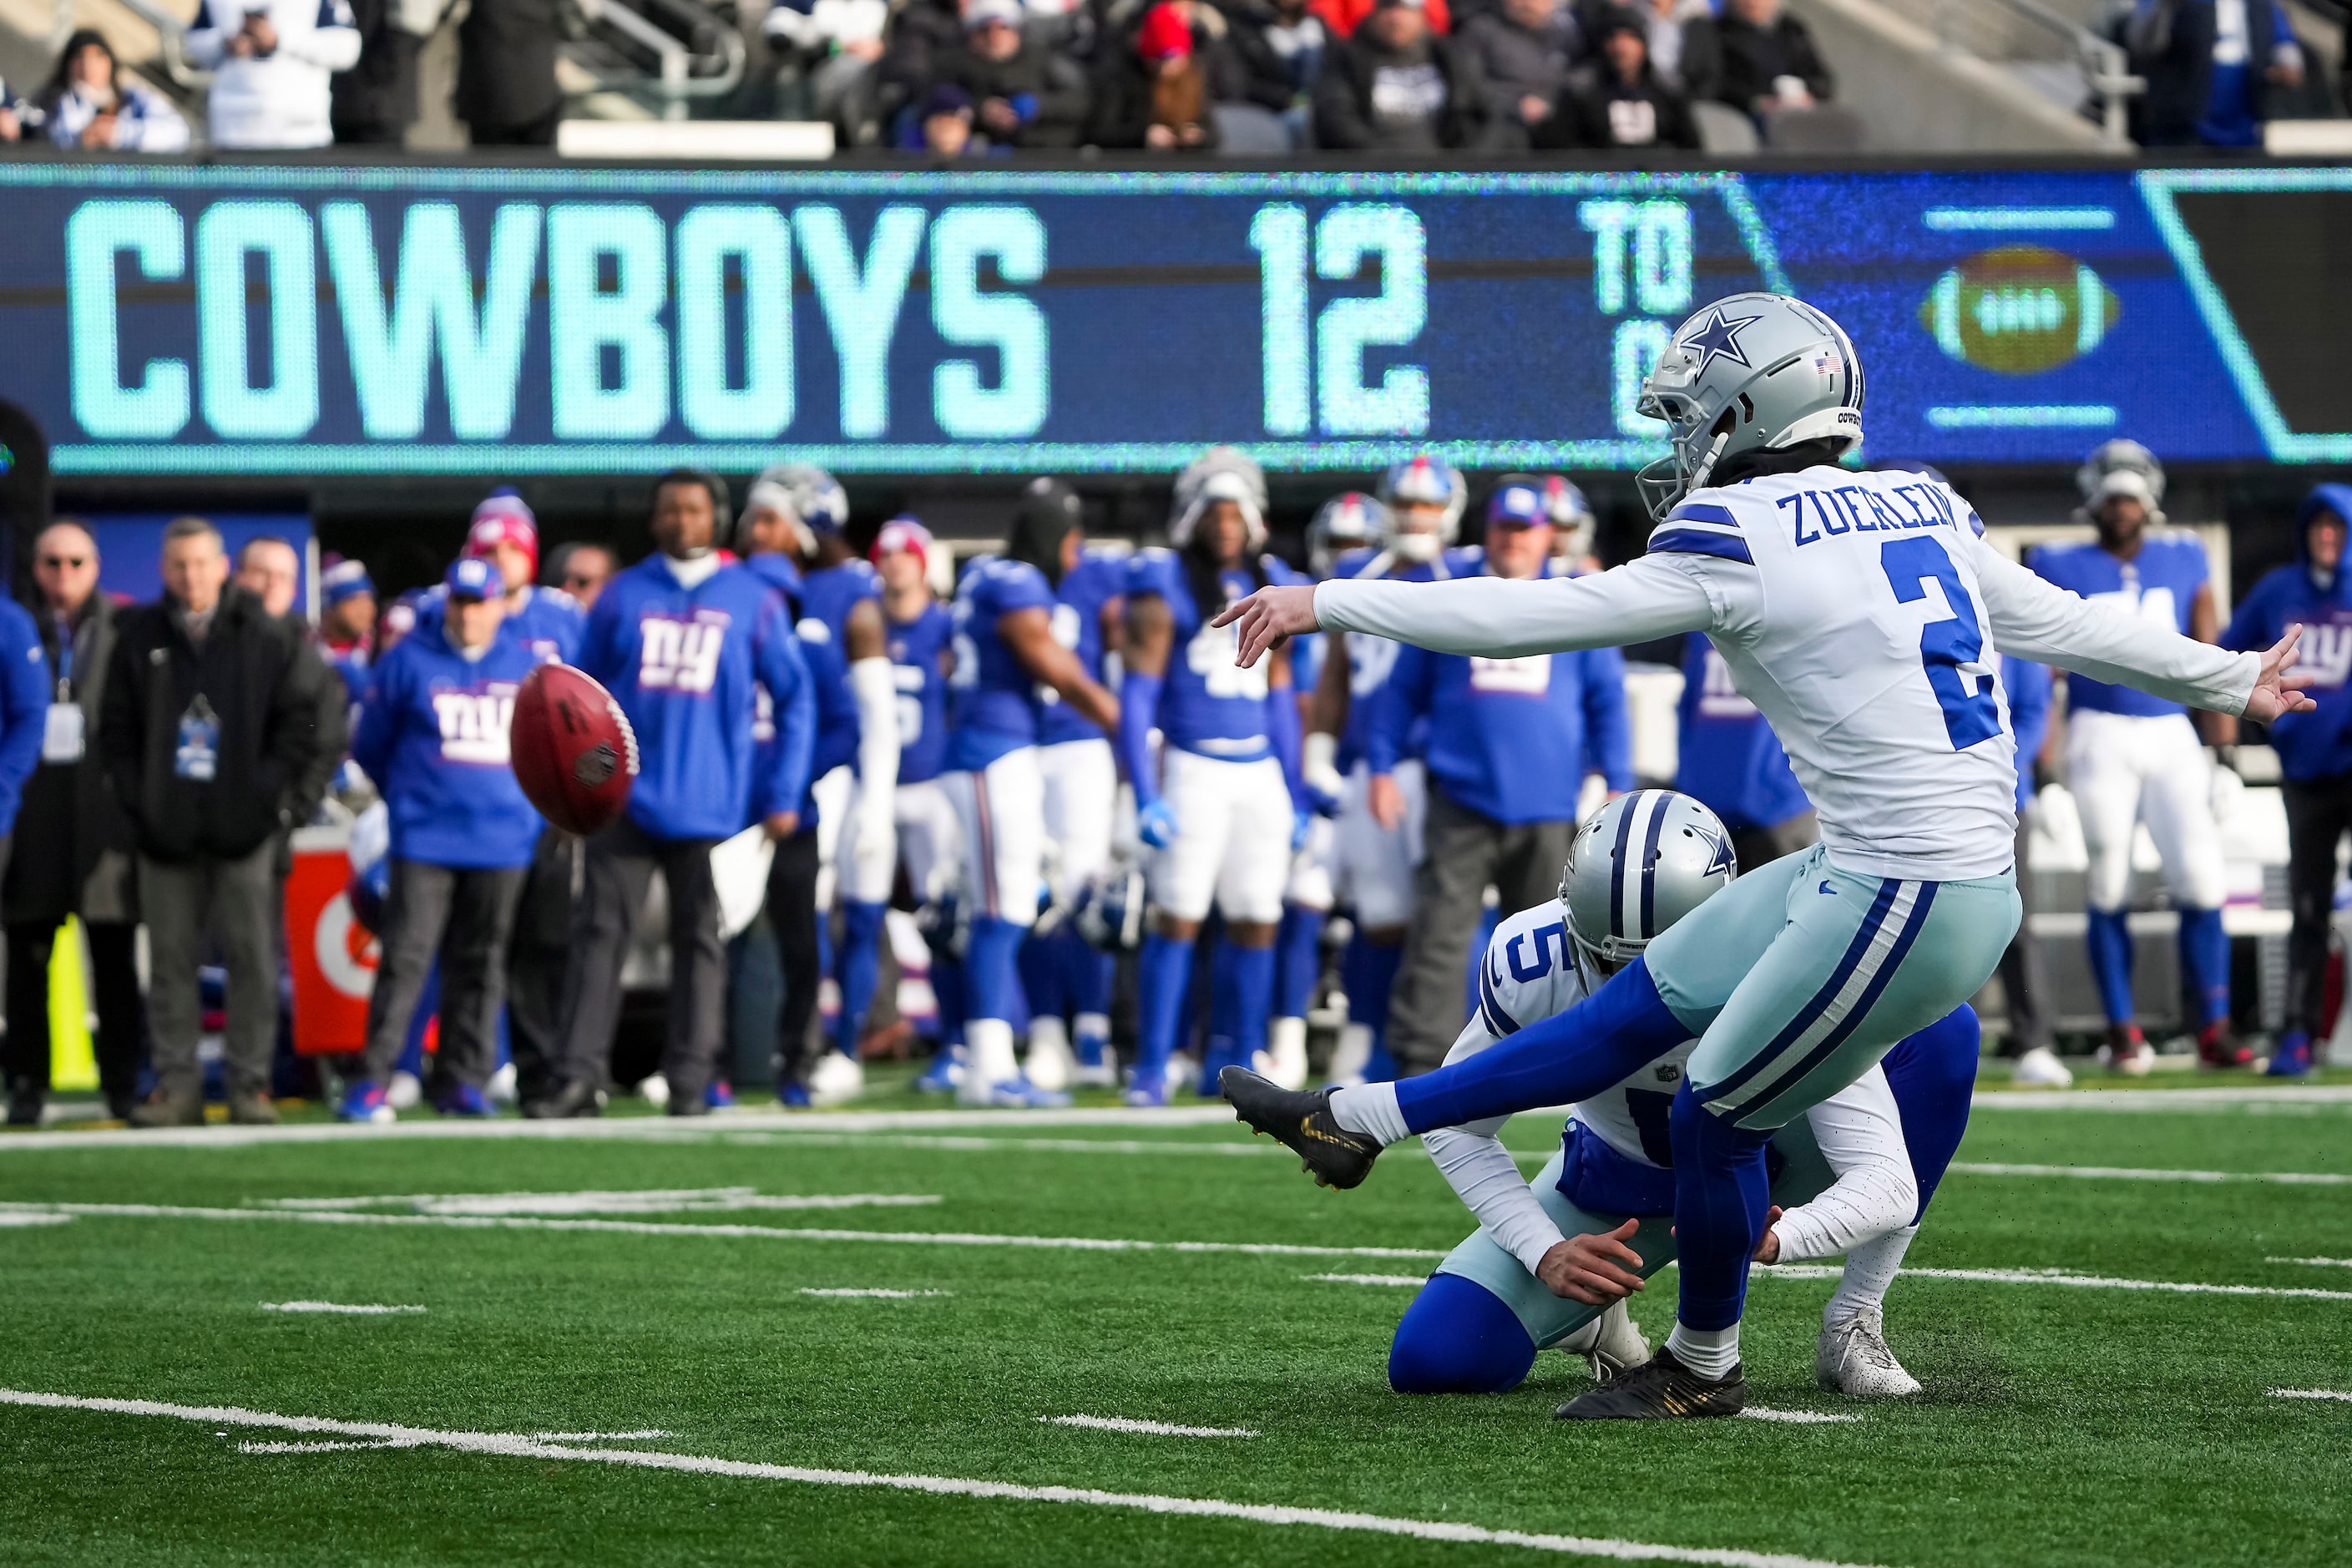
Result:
pixel 257 320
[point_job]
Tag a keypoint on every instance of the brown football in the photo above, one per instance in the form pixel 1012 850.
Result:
pixel 574 754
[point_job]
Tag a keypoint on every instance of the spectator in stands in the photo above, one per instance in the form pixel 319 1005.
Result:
pixel 834 44
pixel 376 100
pixel 1024 95
pixel 942 123
pixel 506 73
pixel 1685 51
pixel 70 859
pixel 1395 87
pixel 269 569
pixel 2211 66
pixel 433 735
pixel 1154 94
pixel 1344 16
pixel 1621 102
pixel 1520 53
pixel 13 113
pixel 209 730
pixel 88 104
pixel 582 571
pixel 1769 60
pixel 273 64
pixel 1275 58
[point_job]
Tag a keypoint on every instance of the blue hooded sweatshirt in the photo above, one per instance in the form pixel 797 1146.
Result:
pixel 2317 744
pixel 686 665
pixel 432 733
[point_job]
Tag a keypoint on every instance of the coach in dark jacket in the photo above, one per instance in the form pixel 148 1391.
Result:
pixel 74 854
pixel 211 733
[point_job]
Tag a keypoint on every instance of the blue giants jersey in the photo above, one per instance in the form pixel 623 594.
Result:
pixel 2317 744
pixel 916 647
pixel 550 622
pixel 432 733
pixel 827 595
pixel 1370 658
pixel 1099 578
pixel 2157 584
pixel 1732 762
pixel 837 708
pixel 993 703
pixel 1208 704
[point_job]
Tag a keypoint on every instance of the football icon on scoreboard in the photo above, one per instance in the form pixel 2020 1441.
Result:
pixel 2018 309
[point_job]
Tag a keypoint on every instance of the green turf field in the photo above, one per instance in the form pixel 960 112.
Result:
pixel 2063 1423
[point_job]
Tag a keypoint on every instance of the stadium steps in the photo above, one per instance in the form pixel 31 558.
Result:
pixel 1989 81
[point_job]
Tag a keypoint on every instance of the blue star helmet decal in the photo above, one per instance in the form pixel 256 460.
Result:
pixel 1721 858
pixel 1717 337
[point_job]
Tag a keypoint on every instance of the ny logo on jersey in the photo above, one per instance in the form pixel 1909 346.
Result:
pixel 1525 677
pixel 474 725
pixel 1369 659
pixel 679 654
pixel 2325 655
pixel 2153 604
pixel 1210 655
pixel 1718 697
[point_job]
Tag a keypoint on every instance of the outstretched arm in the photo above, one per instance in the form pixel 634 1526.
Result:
pixel 1655 597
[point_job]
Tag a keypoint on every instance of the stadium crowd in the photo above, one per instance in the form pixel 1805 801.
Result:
pixel 1033 785
pixel 973 78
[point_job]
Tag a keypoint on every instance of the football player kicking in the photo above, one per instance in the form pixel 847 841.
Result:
pixel 1554 1258
pixel 1860 611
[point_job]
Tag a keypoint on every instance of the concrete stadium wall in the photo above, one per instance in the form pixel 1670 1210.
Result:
pixel 1915 97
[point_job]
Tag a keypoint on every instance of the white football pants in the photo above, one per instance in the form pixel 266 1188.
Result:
pixel 1081 799
pixel 2125 769
pixel 1232 838
pixel 1001 813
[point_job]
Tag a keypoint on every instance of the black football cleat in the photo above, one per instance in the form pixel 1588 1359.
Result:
pixel 572 1098
pixel 1663 1390
pixel 1303 1122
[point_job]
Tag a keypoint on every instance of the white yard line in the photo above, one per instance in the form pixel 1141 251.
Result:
pixel 637 1436
pixel 1796 1417
pixel 2310 1393
pixel 349 1310
pixel 1146 1428
pixel 2157 1099
pixel 2139 1174
pixel 2314 1262
pixel 24 1221
pixel 522 1447
pixel 883 1295
pixel 2055 1277
pixel 1414 1281
pixel 680 1200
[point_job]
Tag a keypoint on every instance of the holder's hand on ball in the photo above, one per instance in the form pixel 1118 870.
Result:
pixel 1267 617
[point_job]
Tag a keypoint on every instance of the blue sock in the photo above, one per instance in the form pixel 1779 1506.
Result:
pixel 1570 1057
pixel 1458 1337
pixel 991 972
pixel 1298 961
pixel 1087 975
pixel 2205 959
pixel 1041 978
pixel 1245 985
pixel 1932 1074
pixel 1722 1192
pixel 2111 964
pixel 948 988
pixel 1223 1046
pixel 861 970
pixel 1163 985
pixel 1370 972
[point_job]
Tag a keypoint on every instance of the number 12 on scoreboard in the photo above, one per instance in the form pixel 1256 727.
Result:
pixel 1324 368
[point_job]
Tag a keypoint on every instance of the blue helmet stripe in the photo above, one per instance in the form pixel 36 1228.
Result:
pixel 1617 864
pixel 1650 872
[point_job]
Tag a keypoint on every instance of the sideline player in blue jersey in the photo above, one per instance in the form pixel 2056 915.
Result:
pixel 1731 762
pixel 347 621
pixel 1068 981
pixel 1508 740
pixel 1221 808
pixel 432 732
pixel 1005 652
pixel 2315 749
pixel 911 564
pixel 683 640
pixel 1421 504
pixel 2132 758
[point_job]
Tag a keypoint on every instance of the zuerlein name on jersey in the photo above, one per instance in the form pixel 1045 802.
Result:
pixel 1834 514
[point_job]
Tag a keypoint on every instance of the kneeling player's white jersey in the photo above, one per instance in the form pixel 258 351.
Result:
pixel 1861 613
pixel 1532 970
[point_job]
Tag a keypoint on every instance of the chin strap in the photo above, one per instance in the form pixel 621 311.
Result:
pixel 1707 464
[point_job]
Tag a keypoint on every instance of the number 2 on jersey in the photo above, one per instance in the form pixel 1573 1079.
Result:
pixel 1947 647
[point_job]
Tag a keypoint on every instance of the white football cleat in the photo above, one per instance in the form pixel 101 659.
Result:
pixel 502 1085
pixel 1050 1065
pixel 655 1090
pixel 836 1077
pixel 1349 1059
pixel 1286 1052
pixel 404 1092
pixel 2137 1059
pixel 1184 1073
pixel 1853 1359
pixel 2040 1068
pixel 1611 1343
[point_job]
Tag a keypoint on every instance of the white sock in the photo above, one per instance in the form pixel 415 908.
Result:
pixel 1371 1109
pixel 989 1042
pixel 1709 1352
pixel 1870 1268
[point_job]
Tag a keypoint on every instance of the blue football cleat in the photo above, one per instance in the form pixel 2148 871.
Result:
pixel 793 1096
pixel 719 1096
pixel 1147 1092
pixel 364 1100
pixel 2292 1057
pixel 1015 1094
pixel 462 1099
pixel 946 1071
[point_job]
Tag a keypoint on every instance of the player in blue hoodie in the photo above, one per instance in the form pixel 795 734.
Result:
pixel 432 733
pixel 2315 749
pixel 685 640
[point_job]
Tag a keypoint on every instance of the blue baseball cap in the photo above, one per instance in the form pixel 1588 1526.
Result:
pixel 472 577
pixel 1521 505
pixel 343 580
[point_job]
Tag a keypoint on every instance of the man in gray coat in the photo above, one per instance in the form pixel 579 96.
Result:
pixel 1520 55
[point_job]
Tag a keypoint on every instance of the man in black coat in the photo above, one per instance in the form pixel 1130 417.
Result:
pixel 376 100
pixel 1394 87
pixel 1621 102
pixel 1027 96
pixel 1769 60
pixel 506 73
pixel 73 852
pixel 211 734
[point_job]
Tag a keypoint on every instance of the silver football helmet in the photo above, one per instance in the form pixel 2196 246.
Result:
pixel 1645 861
pixel 1422 479
pixel 1220 473
pixel 2121 468
pixel 1754 370
pixel 807 495
pixel 1348 520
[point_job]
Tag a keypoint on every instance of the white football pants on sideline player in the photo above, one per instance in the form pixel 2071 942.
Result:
pixel 1001 817
pixel 930 839
pixel 1081 798
pixel 832 794
pixel 1232 838
pixel 864 860
pixel 2125 769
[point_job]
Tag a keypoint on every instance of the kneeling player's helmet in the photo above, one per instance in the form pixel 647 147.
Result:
pixel 1645 861
pixel 1348 520
pixel 1754 370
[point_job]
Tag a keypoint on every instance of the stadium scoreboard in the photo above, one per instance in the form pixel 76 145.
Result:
pixel 257 320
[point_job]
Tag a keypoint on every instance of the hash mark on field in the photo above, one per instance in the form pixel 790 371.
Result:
pixel 2314 1262
pixel 886 1295
pixel 2310 1393
pixel 25 1220
pixel 2137 1173
pixel 1399 1279
pixel 681 1200
pixel 348 1309
pixel 1796 1417
pixel 519 1448
pixel 2052 1276
pixel 1146 1428
pixel 598 1436
pixel 321 1447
